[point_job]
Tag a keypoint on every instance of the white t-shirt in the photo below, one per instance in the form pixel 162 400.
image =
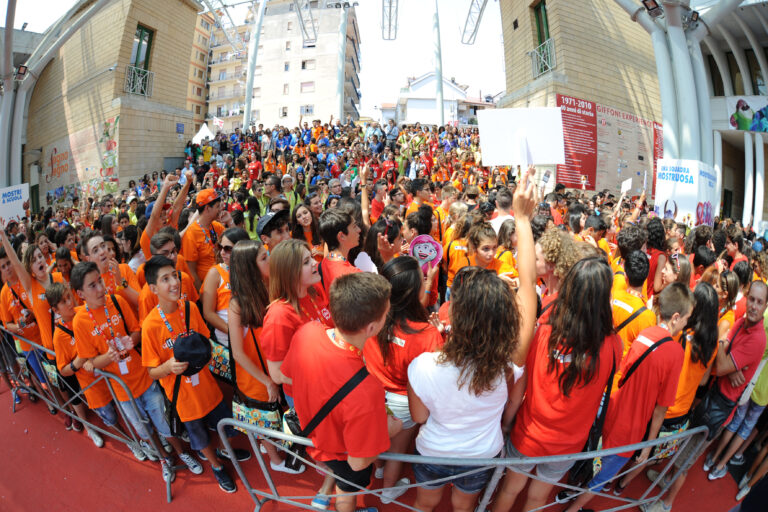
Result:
pixel 498 221
pixel 460 423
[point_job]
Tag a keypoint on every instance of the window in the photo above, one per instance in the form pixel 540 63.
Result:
pixel 285 88
pixel 283 111
pixel 197 127
pixel 542 24
pixel 197 109
pixel 717 81
pixel 307 110
pixel 287 46
pixel 205 24
pixel 257 92
pixel 200 73
pixel 308 64
pixel 142 46
pixel 736 78
pixel 201 56
pixel 220 91
pixel 223 74
pixel 219 110
pixel 287 66
pixel 307 86
pixel 758 82
pixel 199 91
pixel 290 26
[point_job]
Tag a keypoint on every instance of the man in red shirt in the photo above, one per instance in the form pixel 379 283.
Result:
pixel 321 361
pixel 377 203
pixel 341 234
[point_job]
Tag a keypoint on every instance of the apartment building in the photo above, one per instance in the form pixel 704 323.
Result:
pixel 198 69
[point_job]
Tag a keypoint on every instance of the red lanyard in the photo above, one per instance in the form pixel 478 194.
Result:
pixel 318 316
pixel 343 344
pixel 96 325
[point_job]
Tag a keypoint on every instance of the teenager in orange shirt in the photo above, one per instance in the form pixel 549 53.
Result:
pixel 630 302
pixel 200 402
pixel 198 245
pixel 305 227
pixel 727 287
pixel 507 244
pixel 162 244
pixel 482 244
pixel 158 216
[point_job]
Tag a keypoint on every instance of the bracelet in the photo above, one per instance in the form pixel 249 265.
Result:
pixel 72 366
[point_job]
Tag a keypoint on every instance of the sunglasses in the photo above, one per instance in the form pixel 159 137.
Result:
pixel 226 248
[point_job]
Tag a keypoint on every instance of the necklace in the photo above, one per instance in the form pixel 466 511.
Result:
pixel 336 256
pixel 343 344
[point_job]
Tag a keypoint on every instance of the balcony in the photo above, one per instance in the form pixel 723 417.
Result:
pixel 228 58
pixel 228 76
pixel 543 58
pixel 139 81
pixel 237 93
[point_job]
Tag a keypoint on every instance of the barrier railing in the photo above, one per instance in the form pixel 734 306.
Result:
pixel 682 440
pixel 22 377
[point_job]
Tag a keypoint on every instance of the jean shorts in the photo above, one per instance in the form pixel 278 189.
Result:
pixel 468 484
pixel 550 471
pixel 151 405
pixel 745 419
pixel 611 465
pixel 107 414
pixel 199 437
pixel 33 361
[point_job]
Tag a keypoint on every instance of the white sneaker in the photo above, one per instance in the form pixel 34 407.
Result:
pixel 391 494
pixel 191 462
pixel 262 448
pixel 95 437
pixel 137 451
pixel 709 461
pixel 743 492
pixel 283 468
pixel 379 473
pixel 149 451
pixel 166 445
pixel 169 474
pixel 744 481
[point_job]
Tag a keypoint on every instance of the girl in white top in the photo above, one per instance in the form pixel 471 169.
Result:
pixel 461 393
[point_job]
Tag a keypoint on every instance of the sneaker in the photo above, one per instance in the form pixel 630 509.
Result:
pixel 68 423
pixel 262 448
pixel 392 493
pixel 737 460
pixel 709 461
pixel 655 506
pixel 240 454
pixel 379 473
pixel 564 496
pixel 226 483
pixel 717 474
pixel 191 462
pixel 653 474
pixel 53 411
pixel 285 469
pixel 166 445
pixel 321 501
pixel 367 509
pixel 618 489
pixel 743 492
pixel 95 437
pixel 169 474
pixel 137 451
pixel 77 426
pixel 149 451
pixel 744 481
pixel 185 436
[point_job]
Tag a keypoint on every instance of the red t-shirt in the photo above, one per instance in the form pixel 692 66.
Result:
pixel 550 423
pixel 331 269
pixel 746 350
pixel 376 208
pixel 403 348
pixel 653 383
pixel 654 262
pixel 738 259
pixel 357 426
pixel 740 308
pixel 547 305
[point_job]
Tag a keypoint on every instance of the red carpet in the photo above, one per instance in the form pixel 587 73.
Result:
pixel 45 467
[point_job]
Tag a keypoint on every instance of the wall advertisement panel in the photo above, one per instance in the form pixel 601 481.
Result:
pixel 686 191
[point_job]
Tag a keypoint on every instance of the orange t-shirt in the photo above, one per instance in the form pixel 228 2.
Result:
pixel 66 351
pixel 457 257
pixel 148 300
pixel 729 316
pixel 144 243
pixel 249 385
pixel 11 311
pixel 224 291
pixel 403 348
pixel 199 394
pixel 116 284
pixel 506 257
pixel 198 246
pixel 43 312
pixel 690 377
pixel 624 304
pixel 495 265
pixel 91 341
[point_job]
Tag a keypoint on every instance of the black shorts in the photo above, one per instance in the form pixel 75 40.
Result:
pixel 72 387
pixel 341 469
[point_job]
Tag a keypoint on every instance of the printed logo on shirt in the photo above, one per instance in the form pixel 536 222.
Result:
pixel 623 305
pixel 562 358
pixel 398 341
pixel 644 340
pixel 326 314
pixel 460 248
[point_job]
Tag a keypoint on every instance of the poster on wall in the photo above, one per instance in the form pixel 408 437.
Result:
pixel 83 163
pixel 14 202
pixel 607 146
pixel 686 191
pixel 749 113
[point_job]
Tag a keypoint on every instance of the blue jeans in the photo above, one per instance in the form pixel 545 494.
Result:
pixel 33 361
pixel 468 484
pixel 151 405
pixel 611 465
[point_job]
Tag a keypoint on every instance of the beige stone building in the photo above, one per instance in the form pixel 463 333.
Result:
pixel 198 69
pixel 113 104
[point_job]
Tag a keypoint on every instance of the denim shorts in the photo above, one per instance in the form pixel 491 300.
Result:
pixel 107 414
pixel 468 484
pixel 745 418
pixel 611 465
pixel 199 437
pixel 151 405
pixel 552 472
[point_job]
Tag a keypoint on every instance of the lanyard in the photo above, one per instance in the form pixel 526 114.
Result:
pixel 318 316
pixel 165 320
pixel 213 236
pixel 96 325
pixel 343 344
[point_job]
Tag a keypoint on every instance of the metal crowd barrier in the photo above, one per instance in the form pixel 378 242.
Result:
pixel 20 372
pixel 260 497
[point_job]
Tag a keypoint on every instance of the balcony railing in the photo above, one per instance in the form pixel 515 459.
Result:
pixel 139 81
pixel 226 95
pixel 543 59
pixel 228 58
pixel 228 76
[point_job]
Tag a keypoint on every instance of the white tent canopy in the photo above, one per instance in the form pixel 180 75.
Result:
pixel 204 133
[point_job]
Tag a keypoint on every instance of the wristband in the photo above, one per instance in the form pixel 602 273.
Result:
pixel 72 366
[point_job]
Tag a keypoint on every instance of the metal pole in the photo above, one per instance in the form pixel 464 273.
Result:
pixel 438 66
pixel 749 178
pixel 253 49
pixel 759 178
pixel 341 65
pixel 717 146
pixel 703 94
pixel 6 105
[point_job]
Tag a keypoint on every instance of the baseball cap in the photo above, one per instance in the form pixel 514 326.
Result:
pixel 265 220
pixel 207 196
pixel 131 199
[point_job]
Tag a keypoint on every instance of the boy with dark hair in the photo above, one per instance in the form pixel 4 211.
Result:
pixel 647 387
pixel 198 245
pixel 105 331
pixel 630 238
pixel 200 402
pixel 703 258
pixel 630 316
pixel 321 361
pixel 118 279
pixel 273 228
pixel 734 244
pixel 341 234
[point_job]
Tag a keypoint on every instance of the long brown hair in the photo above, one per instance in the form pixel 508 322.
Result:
pixel 248 288
pixel 405 276
pixel 285 263
pixel 480 349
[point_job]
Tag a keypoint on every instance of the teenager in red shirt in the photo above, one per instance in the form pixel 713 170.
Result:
pixel 341 234
pixel 321 360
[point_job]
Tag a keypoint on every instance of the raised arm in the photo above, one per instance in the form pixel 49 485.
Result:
pixel 181 198
pixel 153 224
pixel 365 201
pixel 524 203
pixel 21 272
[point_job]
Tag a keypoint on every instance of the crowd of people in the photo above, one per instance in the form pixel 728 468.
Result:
pixel 394 294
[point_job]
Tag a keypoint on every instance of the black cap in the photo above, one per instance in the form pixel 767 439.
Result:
pixel 192 348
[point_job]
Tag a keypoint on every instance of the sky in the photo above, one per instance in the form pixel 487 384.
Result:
pixel 385 65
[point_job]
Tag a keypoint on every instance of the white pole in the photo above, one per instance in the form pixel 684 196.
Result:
pixel 701 81
pixel 438 66
pixel 718 147
pixel 759 178
pixel 253 49
pixel 341 65
pixel 6 104
pixel 749 178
